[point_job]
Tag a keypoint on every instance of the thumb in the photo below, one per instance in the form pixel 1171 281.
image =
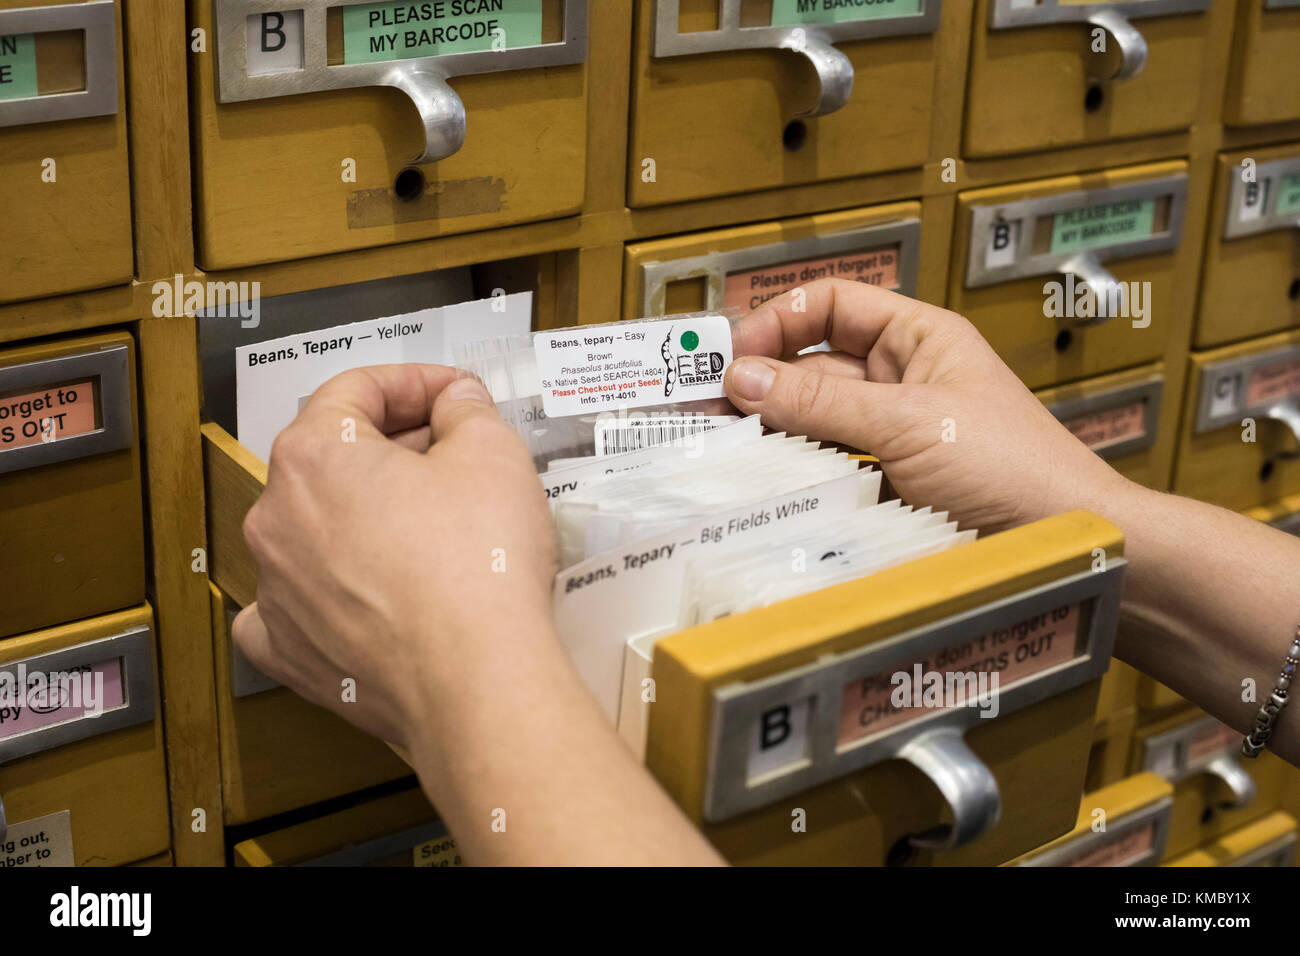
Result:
pixel 802 401
pixel 462 401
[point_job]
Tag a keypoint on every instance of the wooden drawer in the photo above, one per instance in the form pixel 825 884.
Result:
pixel 1123 824
pixel 65 182
pixel 1264 79
pixel 1269 841
pixel 94 786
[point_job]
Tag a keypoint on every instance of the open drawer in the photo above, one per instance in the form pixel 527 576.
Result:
pixel 775 731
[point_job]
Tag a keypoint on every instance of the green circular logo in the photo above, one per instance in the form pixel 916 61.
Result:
pixel 690 341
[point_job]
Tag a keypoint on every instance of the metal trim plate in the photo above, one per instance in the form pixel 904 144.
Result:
pixel 736 706
pixel 98 20
pixel 1164 753
pixel 715 266
pixel 1159 811
pixel 1282 851
pixel 1149 390
pixel 135 649
pixel 1234 227
pixel 110 365
pixel 730 35
pixel 1028 211
pixel 1006 14
pixel 235 85
pixel 1241 368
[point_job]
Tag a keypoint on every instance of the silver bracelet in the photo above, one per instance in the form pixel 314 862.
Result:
pixel 1254 743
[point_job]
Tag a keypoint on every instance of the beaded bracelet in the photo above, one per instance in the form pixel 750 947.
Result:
pixel 1253 744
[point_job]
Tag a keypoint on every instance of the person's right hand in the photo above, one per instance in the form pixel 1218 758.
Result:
pixel 918 387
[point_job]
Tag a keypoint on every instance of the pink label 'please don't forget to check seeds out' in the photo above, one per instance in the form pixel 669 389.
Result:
pixel 751 288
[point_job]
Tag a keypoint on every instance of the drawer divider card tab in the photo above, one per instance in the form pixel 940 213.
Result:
pixel 830 698
pixel 77 692
pixel 269 49
pixel 1114 422
pixel 1110 16
pixel 884 255
pixel 32 37
pixel 1260 385
pixel 1270 200
pixel 64 408
pixel 810 30
pixel 1074 233
pixel 1205 746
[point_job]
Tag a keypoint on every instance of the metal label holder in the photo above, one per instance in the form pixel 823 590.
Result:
pixel 814 42
pixel 1085 265
pixel 1148 391
pixel 1157 813
pixel 1112 17
pixel 714 267
pixel 134 648
pixel 1166 754
pixel 933 741
pixel 422 79
pixel 116 430
pixel 1279 852
pixel 98 21
pixel 1238 372
pixel 1268 220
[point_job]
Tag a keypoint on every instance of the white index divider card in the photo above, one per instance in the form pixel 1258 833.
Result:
pixel 635 589
pixel 273 379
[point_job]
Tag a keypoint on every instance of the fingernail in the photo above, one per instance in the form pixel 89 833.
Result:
pixel 467 390
pixel 752 379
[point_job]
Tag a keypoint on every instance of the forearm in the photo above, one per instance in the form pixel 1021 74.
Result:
pixel 1211 598
pixel 526 770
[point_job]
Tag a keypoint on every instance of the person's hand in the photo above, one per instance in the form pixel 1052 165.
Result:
pixel 403 542
pixel 918 387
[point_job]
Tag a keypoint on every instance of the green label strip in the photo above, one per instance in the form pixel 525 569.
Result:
pixel 17 66
pixel 1106 224
pixel 794 13
pixel 376 32
pixel 1288 195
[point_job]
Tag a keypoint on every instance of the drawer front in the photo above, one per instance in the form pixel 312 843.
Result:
pixel 401 829
pixel 731 96
pixel 72 526
pixel 1250 281
pixel 1269 841
pixel 1123 824
pixel 310 138
pixel 65 182
pixel 1264 81
pixel 1119 417
pixel 82 768
pixel 279 752
pixel 776 716
pixel 1216 790
pixel 1057 73
pixel 1241 424
pixel 743 267
pixel 1076 276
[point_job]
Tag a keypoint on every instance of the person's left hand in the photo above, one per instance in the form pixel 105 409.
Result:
pixel 403 543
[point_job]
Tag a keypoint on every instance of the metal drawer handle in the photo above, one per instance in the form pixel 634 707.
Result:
pixel 441 110
pixel 834 70
pixel 1104 286
pixel 1132 45
pixel 1288 413
pixel 965 782
pixel 1226 768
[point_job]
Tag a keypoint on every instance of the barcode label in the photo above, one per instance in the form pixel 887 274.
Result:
pixel 615 436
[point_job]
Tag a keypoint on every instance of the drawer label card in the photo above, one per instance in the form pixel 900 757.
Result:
pixel 17 66
pixel 644 363
pixel 440 852
pixel 794 13
pixel 970 674
pixel 749 289
pixel 1273 383
pixel 1105 224
pixel 1117 852
pixel 43 841
pixel 1288 196
pixel 33 700
pixel 48 415
pixel 1103 429
pixel 377 32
